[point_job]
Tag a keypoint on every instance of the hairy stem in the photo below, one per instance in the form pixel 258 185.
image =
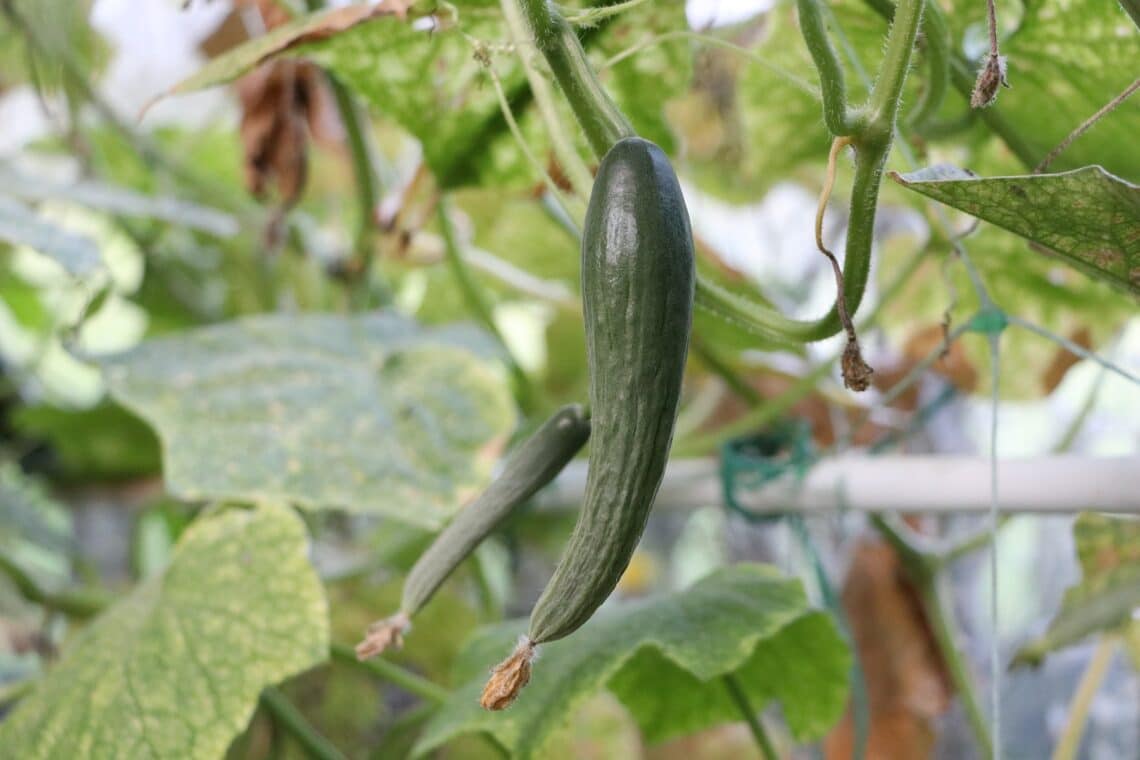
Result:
pixel 887 91
pixel 833 87
pixel 600 118
pixel 1086 125
pixel 572 164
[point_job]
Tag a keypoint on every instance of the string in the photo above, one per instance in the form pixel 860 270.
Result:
pixel 995 659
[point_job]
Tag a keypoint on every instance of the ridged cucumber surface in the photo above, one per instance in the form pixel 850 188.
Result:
pixel 637 293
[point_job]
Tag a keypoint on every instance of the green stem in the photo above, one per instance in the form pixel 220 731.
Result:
pixel 887 92
pixel 572 164
pixel 937 36
pixel 833 87
pixel 740 699
pixel 79 604
pixel 942 623
pixel 388 671
pixel 601 120
pixel 921 566
pixel 1070 742
pixel 774 326
pixel 477 301
pixel 773 408
pixel 367 189
pixel 287 716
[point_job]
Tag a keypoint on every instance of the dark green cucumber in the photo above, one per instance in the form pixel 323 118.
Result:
pixel 532 465
pixel 637 294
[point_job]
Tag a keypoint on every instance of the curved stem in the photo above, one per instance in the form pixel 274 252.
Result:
pixel 740 699
pixel 943 626
pixel 600 118
pixel 287 716
pixel 476 299
pixel 770 324
pixel 833 87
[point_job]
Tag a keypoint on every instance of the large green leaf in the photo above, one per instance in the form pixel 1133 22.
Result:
pixel 432 81
pixel 1087 216
pixel 371 413
pixel 1108 549
pixel 175 668
pixel 664 659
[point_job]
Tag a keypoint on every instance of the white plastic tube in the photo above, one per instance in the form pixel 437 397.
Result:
pixel 946 484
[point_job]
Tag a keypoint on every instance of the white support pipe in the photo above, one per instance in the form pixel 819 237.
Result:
pixel 948 484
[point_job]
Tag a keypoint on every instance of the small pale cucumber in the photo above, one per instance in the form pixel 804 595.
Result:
pixel 532 465
pixel 637 293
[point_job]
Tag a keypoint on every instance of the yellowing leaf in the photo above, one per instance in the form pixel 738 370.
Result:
pixel 175 668
pixel 370 413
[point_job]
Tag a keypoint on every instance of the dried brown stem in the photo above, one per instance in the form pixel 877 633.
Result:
pixel 1086 125
pixel 856 372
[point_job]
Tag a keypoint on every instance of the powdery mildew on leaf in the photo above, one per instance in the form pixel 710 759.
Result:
pixel 663 658
pixel 1088 216
pixel 371 413
pixel 175 668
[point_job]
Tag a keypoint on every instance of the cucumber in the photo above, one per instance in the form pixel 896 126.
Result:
pixel 637 293
pixel 532 465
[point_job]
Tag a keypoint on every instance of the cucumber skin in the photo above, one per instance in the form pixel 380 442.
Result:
pixel 532 465
pixel 637 292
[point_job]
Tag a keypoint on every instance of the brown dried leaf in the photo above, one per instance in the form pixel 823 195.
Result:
pixel 274 129
pixel 1064 360
pixel 908 685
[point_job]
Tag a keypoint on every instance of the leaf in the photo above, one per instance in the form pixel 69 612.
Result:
pixel 751 117
pixel 175 668
pixel 78 255
pixel 370 414
pixel 317 26
pixel 120 200
pixel 1108 550
pixel 1087 216
pixel 35 530
pixel 429 81
pixel 663 658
